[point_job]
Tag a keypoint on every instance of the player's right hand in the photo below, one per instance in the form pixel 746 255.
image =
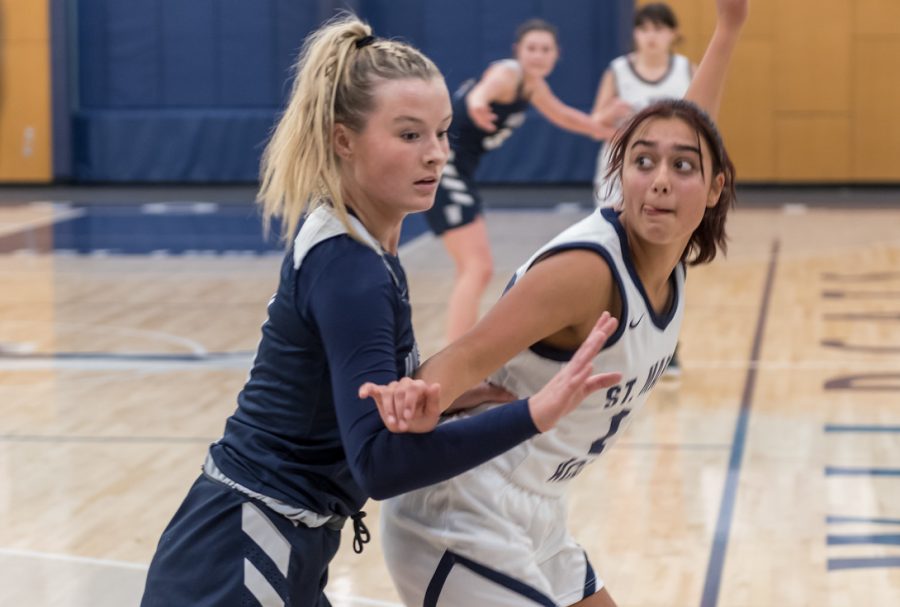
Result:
pixel 574 382
pixel 482 115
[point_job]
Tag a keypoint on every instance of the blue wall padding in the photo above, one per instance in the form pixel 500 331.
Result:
pixel 187 91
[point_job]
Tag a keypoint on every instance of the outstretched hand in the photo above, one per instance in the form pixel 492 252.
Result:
pixel 574 382
pixel 483 117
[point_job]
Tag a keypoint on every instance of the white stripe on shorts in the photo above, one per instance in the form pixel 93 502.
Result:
pixel 453 214
pixel 462 198
pixel 260 587
pixel 261 530
pixel 451 183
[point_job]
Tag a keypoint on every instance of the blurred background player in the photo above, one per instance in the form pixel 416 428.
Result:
pixel 633 81
pixel 486 111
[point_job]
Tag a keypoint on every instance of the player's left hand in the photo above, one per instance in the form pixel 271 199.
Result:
pixel 406 405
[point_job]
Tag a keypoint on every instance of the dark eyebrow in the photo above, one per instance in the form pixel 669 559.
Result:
pixel 680 148
pixel 649 144
pixel 688 148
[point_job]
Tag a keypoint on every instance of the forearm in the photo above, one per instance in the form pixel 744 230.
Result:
pixel 387 464
pixel 454 372
pixel 708 85
pixel 576 121
pixel 606 118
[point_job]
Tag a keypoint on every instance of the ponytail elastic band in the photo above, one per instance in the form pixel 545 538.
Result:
pixel 365 41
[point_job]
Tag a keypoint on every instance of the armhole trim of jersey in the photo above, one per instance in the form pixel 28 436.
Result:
pixel 551 353
pixel 660 321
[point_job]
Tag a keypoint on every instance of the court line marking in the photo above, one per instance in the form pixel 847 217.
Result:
pixel 58 214
pixel 98 439
pixel 863 563
pixel 860 428
pixel 154 363
pixel 61 438
pixel 713 581
pixel 836 520
pixel 682 446
pixel 847 471
pixel 191 345
pixel 132 566
pixel 68 558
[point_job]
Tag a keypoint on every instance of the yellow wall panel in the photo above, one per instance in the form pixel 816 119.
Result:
pixel 813 44
pixel 813 148
pixel 747 109
pixel 876 146
pixel 24 20
pixel 814 89
pixel 877 17
pixel 25 126
pixel 25 103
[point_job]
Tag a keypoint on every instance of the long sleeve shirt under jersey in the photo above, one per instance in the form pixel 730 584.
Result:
pixel 300 433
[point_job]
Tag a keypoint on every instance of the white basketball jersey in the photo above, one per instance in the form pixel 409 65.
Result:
pixel 640 93
pixel 640 349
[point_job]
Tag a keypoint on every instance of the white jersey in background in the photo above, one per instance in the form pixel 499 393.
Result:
pixel 638 93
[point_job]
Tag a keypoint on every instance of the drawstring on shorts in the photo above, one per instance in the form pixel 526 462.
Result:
pixel 361 534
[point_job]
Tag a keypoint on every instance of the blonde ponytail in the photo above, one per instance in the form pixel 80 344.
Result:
pixel 335 76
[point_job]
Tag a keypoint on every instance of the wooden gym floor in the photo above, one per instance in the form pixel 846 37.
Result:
pixel 768 475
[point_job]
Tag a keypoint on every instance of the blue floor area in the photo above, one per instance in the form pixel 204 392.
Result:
pixel 176 229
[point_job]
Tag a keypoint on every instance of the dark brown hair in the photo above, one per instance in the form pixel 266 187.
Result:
pixel 536 25
pixel 658 13
pixel 710 235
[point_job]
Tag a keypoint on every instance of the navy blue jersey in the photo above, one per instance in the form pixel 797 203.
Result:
pixel 341 317
pixel 468 141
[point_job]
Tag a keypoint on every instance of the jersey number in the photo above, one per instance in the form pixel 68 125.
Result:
pixel 599 444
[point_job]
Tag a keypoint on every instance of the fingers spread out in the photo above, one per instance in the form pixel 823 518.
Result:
pixel 602 380
pixel 603 328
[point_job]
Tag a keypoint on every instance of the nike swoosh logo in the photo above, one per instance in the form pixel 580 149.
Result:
pixel 634 323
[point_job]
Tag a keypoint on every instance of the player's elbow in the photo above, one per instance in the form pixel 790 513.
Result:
pixel 377 483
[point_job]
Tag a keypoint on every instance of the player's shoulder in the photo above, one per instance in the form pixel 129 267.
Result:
pixel 344 258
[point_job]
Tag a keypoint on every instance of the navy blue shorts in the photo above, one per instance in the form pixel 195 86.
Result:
pixel 457 203
pixel 225 549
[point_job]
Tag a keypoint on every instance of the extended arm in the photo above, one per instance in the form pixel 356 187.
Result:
pixel 498 83
pixel 565 116
pixel 356 324
pixel 566 292
pixel 708 84
pixel 609 109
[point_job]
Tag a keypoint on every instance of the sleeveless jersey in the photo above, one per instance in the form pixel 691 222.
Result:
pixel 640 93
pixel 640 349
pixel 467 141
